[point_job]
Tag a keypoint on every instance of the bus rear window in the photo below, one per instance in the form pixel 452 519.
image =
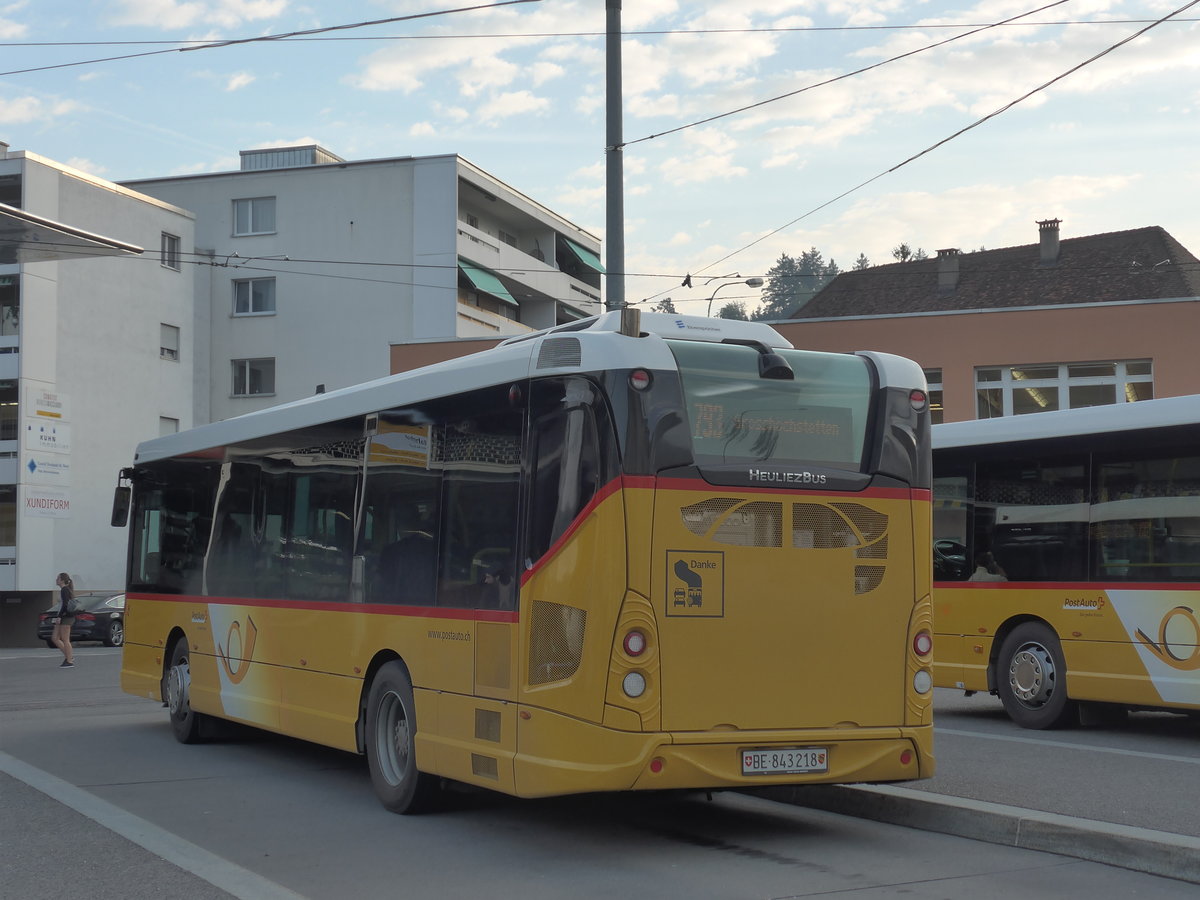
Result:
pixel 737 417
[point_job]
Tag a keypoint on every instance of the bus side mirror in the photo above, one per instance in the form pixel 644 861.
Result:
pixel 120 510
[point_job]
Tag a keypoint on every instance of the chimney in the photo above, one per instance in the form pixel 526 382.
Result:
pixel 1048 232
pixel 948 270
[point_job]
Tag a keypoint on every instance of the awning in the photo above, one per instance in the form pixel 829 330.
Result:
pixel 486 281
pixel 586 256
pixel 570 313
pixel 26 238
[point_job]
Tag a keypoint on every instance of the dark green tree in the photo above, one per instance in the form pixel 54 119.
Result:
pixel 862 263
pixel 905 253
pixel 665 306
pixel 735 309
pixel 793 281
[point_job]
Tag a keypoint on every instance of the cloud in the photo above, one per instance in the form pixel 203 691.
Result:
pixel 170 15
pixel 86 165
pixel 510 104
pixel 421 129
pixel 239 81
pixel 23 110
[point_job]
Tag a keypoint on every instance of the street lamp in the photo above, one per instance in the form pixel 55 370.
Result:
pixel 754 282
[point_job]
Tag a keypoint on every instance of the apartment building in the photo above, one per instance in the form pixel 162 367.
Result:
pixel 97 345
pixel 314 267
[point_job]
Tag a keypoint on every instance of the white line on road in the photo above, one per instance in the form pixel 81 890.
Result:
pixel 1063 745
pixel 221 873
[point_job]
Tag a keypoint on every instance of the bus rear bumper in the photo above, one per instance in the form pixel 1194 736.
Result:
pixel 619 761
pixel 723 760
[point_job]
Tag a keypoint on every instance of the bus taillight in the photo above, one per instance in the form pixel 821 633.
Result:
pixel 923 643
pixel 634 643
pixel 918 399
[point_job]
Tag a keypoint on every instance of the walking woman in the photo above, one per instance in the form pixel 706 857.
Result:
pixel 66 618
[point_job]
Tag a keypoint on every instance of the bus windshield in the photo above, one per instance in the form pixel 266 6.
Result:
pixel 737 417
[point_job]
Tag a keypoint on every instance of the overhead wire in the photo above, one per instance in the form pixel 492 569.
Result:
pixel 956 134
pixel 843 76
pixel 660 32
pixel 273 37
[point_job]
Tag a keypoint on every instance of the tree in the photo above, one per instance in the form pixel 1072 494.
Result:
pixel 665 306
pixel 793 281
pixel 735 309
pixel 904 253
pixel 862 263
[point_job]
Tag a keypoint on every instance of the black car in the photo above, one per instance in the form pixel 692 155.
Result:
pixel 101 617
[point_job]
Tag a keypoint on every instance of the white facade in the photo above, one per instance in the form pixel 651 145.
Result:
pixel 313 271
pixel 82 357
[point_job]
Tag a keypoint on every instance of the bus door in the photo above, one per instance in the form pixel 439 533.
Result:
pixel 574 562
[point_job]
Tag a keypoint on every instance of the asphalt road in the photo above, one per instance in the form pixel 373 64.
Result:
pixel 86 768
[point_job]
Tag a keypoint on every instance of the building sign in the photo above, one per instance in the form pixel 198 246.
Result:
pixel 46 503
pixel 43 469
pixel 45 404
pixel 47 435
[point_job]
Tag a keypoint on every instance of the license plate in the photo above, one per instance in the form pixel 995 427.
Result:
pixel 786 761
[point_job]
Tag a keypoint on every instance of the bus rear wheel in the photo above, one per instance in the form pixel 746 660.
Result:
pixel 1031 678
pixel 391 730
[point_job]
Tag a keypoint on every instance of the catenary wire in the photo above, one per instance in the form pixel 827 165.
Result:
pixel 843 76
pixel 272 37
pixel 663 32
pixel 956 134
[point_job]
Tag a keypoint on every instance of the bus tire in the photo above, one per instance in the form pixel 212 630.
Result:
pixel 391 730
pixel 186 723
pixel 1031 678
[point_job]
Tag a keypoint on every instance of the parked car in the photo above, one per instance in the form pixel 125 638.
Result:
pixel 101 617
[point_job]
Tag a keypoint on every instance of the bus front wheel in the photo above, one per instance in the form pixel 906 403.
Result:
pixel 185 721
pixel 391 729
pixel 1031 678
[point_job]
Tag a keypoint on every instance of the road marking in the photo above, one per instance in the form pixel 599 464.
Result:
pixel 1062 745
pixel 221 873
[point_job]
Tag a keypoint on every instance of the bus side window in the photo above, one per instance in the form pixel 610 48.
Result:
pixel 567 463
pixel 478 447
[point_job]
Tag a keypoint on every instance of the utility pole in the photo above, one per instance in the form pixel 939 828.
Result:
pixel 614 225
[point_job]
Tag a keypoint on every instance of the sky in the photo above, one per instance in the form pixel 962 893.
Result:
pixel 752 128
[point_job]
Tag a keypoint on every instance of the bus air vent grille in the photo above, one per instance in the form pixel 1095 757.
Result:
pixel 877 550
pixel 555 641
pixel 817 527
pixel 867 578
pixel 870 523
pixel 699 518
pixel 558 353
pixel 757 524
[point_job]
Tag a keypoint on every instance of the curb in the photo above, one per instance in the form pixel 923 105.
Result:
pixel 1138 849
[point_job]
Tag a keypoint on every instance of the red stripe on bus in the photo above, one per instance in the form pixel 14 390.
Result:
pixel 1092 586
pixel 601 495
pixel 383 609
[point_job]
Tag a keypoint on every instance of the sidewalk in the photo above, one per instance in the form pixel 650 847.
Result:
pixel 1137 849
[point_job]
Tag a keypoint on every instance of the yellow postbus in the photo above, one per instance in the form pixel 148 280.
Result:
pixel 620 554
pixel 1067 559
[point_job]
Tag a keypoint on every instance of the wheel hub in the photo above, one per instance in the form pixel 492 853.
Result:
pixel 1031 674
pixel 177 689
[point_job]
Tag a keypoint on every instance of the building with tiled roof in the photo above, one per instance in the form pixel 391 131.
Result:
pixel 1140 264
pixel 1057 324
